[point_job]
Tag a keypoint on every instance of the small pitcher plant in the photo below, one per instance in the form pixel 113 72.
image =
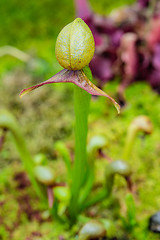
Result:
pixel 66 200
pixel 139 124
pixel 74 50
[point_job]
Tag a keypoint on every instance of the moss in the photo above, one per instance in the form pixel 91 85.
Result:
pixel 42 116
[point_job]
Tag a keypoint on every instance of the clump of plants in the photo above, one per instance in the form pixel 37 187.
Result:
pixel 54 190
pixel 74 50
pixel 67 200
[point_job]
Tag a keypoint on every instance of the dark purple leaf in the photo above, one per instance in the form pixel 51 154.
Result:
pixel 101 68
pixel 78 78
pixel 156 57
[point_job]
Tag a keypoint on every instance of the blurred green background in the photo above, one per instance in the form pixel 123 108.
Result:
pixel 46 115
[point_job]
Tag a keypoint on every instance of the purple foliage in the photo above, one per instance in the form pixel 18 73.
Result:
pixel 143 3
pixel 127 43
pixel 101 68
pixel 156 57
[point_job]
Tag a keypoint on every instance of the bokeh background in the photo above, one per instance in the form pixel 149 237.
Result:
pixel 46 115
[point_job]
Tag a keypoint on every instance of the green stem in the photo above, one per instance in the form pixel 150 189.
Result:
pixel 101 195
pixel 129 142
pixel 88 186
pixel 81 107
pixel 61 148
pixel 7 121
pixel 96 199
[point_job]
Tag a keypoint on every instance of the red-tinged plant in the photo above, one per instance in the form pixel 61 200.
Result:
pixel 74 50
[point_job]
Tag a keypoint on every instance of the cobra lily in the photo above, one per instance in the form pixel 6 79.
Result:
pixel 79 46
pixel 74 50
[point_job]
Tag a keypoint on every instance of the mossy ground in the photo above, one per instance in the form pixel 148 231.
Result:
pixel 103 121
